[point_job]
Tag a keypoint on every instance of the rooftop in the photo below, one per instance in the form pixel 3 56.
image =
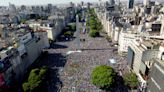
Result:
pixel 145 44
pixel 151 42
pixel 22 31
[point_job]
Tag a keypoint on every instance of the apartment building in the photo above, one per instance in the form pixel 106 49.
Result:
pixel 141 54
pixel 17 55
pixel 126 36
pixel 156 80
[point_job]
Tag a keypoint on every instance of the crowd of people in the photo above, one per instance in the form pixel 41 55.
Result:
pixel 95 51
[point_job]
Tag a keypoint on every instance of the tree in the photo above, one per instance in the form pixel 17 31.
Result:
pixel 35 81
pixel 130 80
pixel 73 27
pixel 26 87
pixel 93 33
pixel 93 21
pixel 108 38
pixel 23 21
pixel 68 34
pixel 103 76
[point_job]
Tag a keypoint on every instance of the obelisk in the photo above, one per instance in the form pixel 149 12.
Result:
pixel 77 33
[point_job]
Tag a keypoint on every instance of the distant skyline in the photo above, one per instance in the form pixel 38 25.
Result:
pixel 40 2
pixel 43 2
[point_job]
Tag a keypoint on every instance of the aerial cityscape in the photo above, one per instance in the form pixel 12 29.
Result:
pixel 82 46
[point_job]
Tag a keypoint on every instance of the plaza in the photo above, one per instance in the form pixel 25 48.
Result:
pixel 74 69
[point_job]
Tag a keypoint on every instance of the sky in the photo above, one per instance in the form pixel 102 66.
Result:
pixel 42 2
pixel 38 2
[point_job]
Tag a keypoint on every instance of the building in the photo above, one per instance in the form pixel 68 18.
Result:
pixel 53 29
pixel 18 53
pixel 112 2
pixel 108 16
pixel 156 80
pixel 10 64
pixel 12 8
pixel 49 8
pixel 141 54
pixel 148 9
pixel 125 38
pixel 162 27
pixel 116 33
pixel 130 4
pixel 53 26
pixel 145 2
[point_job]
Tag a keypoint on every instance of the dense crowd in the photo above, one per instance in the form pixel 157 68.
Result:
pixel 75 74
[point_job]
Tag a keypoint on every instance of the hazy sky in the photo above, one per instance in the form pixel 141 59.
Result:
pixel 34 2
pixel 38 2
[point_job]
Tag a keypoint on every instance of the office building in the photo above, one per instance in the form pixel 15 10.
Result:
pixel 130 4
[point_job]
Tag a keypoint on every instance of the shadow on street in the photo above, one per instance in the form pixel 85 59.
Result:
pixel 65 39
pixel 51 60
pixel 99 49
pixel 57 46
pixel 54 83
pixel 119 85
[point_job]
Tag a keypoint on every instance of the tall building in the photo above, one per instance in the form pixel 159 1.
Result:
pixel 145 2
pixel 130 4
pixel 49 6
pixel 82 3
pixel 23 7
pixel 12 8
pixel 71 4
pixel 111 2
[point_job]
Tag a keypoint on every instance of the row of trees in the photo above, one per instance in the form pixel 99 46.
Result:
pixel 104 77
pixel 94 24
pixel 36 80
pixel 69 30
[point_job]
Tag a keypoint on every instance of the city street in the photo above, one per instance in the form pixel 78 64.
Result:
pixel 82 46
pixel 75 69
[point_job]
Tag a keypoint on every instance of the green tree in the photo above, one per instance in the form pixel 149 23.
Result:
pixel 35 80
pixel 26 87
pixel 130 80
pixel 23 21
pixel 93 21
pixel 103 77
pixel 68 34
pixel 93 33
pixel 73 27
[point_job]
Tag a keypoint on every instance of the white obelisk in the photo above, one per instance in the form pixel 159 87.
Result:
pixel 77 33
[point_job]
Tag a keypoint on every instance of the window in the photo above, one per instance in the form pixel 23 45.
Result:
pixel 162 56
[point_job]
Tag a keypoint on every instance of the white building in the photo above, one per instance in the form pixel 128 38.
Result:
pixel 53 30
pixel 161 52
pixel 141 54
pixel 125 37
pixel 53 26
pixel 162 27
pixel 145 2
pixel 116 34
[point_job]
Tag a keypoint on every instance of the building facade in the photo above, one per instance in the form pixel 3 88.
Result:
pixel 156 80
